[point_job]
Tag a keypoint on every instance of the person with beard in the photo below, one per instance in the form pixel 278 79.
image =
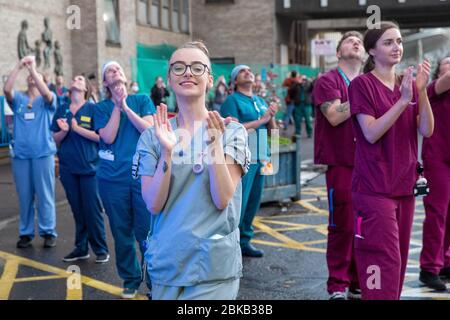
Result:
pixel 257 117
pixel 334 146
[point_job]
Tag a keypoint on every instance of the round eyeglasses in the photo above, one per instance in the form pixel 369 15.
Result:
pixel 197 68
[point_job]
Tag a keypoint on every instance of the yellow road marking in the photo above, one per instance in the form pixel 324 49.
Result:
pixel 283 229
pixel 44 278
pixel 14 261
pixel 7 280
pixel 285 223
pixel 312 208
pixel 285 241
pixel 289 246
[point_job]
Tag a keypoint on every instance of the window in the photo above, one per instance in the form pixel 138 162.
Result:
pixel 142 11
pixel 185 16
pixel 175 15
pixel 111 18
pixel 165 14
pixel 324 3
pixel 155 13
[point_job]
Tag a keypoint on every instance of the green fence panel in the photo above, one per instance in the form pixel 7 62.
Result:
pixel 152 61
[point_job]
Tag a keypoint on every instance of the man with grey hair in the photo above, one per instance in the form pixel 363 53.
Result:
pixel 119 120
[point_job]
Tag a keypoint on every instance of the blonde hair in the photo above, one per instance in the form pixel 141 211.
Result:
pixel 200 45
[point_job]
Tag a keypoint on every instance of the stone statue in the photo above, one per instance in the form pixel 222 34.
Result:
pixel 37 53
pixel 22 41
pixel 47 38
pixel 58 60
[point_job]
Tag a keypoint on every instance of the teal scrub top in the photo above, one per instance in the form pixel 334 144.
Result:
pixel 32 135
pixel 116 166
pixel 247 109
pixel 191 240
pixel 77 154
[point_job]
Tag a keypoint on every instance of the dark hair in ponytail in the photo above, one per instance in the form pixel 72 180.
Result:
pixel 369 65
pixel 370 40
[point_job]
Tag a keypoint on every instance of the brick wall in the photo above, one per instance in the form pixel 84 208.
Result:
pixel 243 30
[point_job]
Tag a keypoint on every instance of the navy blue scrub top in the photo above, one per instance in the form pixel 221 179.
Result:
pixel 77 154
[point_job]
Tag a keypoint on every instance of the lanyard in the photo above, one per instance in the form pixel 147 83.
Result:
pixel 257 108
pixel 344 76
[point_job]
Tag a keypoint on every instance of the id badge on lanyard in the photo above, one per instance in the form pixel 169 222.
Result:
pixel 258 110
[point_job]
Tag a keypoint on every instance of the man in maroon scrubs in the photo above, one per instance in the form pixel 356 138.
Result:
pixel 334 145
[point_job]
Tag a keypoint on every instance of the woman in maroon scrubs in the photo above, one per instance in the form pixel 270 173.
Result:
pixel 387 111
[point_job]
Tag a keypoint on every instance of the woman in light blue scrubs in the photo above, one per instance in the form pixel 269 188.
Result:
pixel 191 168
pixel 33 154
pixel 78 161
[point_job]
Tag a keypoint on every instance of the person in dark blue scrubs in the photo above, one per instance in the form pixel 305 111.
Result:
pixel 120 119
pixel 78 158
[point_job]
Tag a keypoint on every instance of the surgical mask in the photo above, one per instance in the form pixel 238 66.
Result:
pixel 135 88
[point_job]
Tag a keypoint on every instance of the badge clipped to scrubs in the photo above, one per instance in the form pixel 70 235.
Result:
pixel 29 116
pixel 421 187
pixel 106 155
pixel 267 168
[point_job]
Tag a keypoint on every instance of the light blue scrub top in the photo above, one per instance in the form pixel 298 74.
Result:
pixel 117 168
pixel 33 138
pixel 192 241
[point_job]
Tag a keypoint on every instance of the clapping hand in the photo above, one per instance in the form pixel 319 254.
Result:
pixel 406 86
pixel 163 129
pixel 423 75
pixel 63 125
pixel 216 126
pixel 119 95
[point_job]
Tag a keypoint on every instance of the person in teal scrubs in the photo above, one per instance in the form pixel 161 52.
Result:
pixel 120 119
pixel 257 117
pixel 33 154
pixel 191 168
pixel 78 161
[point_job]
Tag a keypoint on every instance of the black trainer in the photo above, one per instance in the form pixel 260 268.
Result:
pixel 432 281
pixel 445 273
pixel 75 255
pixel 102 258
pixel 24 242
pixel 248 250
pixel 49 241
